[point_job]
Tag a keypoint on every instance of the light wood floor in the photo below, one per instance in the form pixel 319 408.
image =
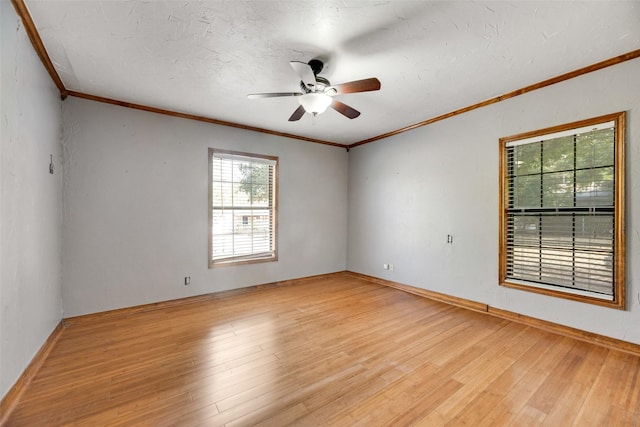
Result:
pixel 331 351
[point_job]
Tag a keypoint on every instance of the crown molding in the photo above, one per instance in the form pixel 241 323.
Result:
pixel 196 117
pixel 38 45
pixel 561 78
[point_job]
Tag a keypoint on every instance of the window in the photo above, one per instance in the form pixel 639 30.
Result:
pixel 242 208
pixel 562 211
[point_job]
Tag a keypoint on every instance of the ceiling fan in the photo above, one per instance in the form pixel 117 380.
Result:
pixel 317 92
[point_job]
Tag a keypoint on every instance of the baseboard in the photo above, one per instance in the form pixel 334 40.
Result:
pixel 579 334
pixel 436 296
pixel 10 400
pixel 567 331
pixel 129 311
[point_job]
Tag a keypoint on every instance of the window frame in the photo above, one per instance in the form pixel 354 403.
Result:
pixel 619 258
pixel 251 258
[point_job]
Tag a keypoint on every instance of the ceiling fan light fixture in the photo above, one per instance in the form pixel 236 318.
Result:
pixel 316 92
pixel 315 103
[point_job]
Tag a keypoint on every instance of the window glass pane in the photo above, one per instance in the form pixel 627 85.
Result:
pixel 217 169
pixel 595 232
pixel 260 195
pixel 226 171
pixel 261 220
pixel 524 263
pixel 260 173
pixel 594 280
pixel 222 229
pixel 557 231
pixel 526 191
pixel 558 189
pixel 526 159
pixel 595 187
pixel 557 154
pixel 216 192
pixel 595 149
pixel 556 266
pixel 525 229
pixel 241 198
pixel 222 194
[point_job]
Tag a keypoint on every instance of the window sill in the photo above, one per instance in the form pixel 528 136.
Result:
pixel 577 295
pixel 241 261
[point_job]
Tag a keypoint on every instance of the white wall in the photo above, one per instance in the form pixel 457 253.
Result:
pixel 30 202
pixel 135 198
pixel 406 193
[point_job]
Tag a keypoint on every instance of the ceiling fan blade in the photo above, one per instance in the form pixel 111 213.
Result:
pixel 297 114
pixel 365 85
pixel 344 109
pixel 304 71
pixel 272 95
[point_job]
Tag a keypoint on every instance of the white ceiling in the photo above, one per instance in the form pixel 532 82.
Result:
pixel 204 57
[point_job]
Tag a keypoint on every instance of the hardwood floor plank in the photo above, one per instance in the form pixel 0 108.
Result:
pixel 533 370
pixel 619 416
pixel 600 399
pixel 575 394
pixel 558 380
pixel 328 351
pixel 421 404
pixel 525 351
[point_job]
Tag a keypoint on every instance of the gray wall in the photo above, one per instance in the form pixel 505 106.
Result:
pixel 30 202
pixel 406 193
pixel 135 197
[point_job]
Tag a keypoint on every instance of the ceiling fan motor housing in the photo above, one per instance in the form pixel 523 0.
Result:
pixel 316 66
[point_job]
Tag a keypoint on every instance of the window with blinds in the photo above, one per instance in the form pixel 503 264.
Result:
pixel 562 230
pixel 242 208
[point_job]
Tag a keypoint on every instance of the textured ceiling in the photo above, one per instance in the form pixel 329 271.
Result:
pixel 204 57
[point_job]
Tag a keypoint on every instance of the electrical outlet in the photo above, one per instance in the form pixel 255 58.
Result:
pixel 187 280
pixel 390 267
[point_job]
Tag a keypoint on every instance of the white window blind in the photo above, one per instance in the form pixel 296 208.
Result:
pixel 243 207
pixel 560 211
